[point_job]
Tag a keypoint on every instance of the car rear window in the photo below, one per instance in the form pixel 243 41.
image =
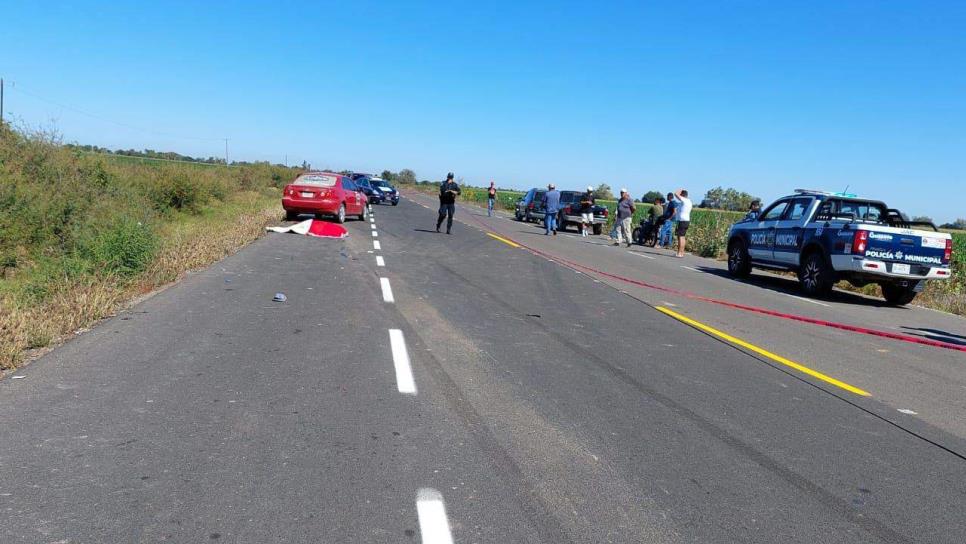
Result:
pixel 322 180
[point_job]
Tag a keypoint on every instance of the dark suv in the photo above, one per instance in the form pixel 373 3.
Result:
pixel 364 183
pixel 527 206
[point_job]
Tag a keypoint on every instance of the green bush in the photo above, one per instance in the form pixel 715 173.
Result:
pixel 178 192
pixel 124 248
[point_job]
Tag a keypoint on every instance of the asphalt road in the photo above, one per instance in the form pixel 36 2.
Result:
pixel 495 395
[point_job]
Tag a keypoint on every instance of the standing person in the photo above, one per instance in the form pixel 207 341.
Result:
pixel 684 218
pixel 625 213
pixel 448 190
pixel 587 202
pixel 753 211
pixel 490 199
pixel 666 229
pixel 655 214
pixel 551 205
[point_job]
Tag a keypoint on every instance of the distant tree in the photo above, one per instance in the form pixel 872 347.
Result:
pixel 727 199
pixel 959 224
pixel 604 192
pixel 651 195
pixel 405 176
pixel 387 175
pixel 923 218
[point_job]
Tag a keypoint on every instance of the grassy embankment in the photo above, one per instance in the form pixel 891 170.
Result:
pixel 82 234
pixel 708 233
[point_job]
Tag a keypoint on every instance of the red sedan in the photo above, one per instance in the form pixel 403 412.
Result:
pixel 324 193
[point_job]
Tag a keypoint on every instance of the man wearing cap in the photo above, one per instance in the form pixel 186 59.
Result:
pixel 625 212
pixel 447 202
pixel 551 205
pixel 587 202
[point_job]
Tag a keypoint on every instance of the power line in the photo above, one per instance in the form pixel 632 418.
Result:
pixel 19 89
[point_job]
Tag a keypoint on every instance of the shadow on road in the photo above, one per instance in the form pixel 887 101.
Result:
pixel 789 286
pixel 938 335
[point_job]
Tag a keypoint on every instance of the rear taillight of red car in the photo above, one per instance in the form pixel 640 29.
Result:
pixel 860 242
pixel 289 191
pixel 948 256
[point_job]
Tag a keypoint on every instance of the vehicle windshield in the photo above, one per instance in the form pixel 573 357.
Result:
pixel 321 180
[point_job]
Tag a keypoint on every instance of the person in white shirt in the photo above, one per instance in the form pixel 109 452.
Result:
pixel 684 218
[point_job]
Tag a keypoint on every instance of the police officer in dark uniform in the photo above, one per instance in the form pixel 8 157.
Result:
pixel 448 191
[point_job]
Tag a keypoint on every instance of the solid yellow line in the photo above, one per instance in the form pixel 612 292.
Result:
pixel 764 352
pixel 504 240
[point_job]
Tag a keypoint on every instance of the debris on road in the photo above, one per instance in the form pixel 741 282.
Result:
pixel 313 227
pixel 279 297
pixel 17 377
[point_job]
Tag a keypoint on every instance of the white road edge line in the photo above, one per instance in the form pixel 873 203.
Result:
pixel 400 361
pixel 380 261
pixel 376 245
pixel 386 290
pixel 807 300
pixel 433 524
pixel 640 254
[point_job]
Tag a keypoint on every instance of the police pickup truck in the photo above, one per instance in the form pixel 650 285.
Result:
pixel 825 237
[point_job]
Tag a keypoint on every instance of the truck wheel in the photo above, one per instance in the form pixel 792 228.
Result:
pixel 896 295
pixel 598 228
pixel 739 262
pixel 291 216
pixel 561 223
pixel 816 275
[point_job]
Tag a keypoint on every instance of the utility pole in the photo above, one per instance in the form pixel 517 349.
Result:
pixel 226 151
pixel 1 101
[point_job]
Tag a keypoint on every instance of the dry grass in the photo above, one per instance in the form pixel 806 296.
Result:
pixel 72 305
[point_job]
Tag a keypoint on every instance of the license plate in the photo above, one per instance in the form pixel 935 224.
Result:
pixel 307 194
pixel 900 268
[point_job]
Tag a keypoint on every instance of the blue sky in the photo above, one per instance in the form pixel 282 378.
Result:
pixel 762 96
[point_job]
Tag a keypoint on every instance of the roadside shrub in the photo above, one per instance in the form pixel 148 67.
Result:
pixel 177 192
pixel 124 248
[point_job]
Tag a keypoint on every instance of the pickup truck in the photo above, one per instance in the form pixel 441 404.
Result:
pixel 825 237
pixel 570 212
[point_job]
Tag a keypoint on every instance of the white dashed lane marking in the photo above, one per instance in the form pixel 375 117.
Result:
pixel 372 226
pixel 380 261
pixel 386 290
pixel 374 234
pixel 405 382
pixel 640 254
pixel 690 268
pixel 376 245
pixel 433 524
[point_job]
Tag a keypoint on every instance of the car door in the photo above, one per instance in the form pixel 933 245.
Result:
pixel 789 231
pixel 761 237
pixel 351 196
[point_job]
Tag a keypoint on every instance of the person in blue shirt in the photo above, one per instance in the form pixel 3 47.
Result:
pixel 753 211
pixel 664 239
pixel 551 205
